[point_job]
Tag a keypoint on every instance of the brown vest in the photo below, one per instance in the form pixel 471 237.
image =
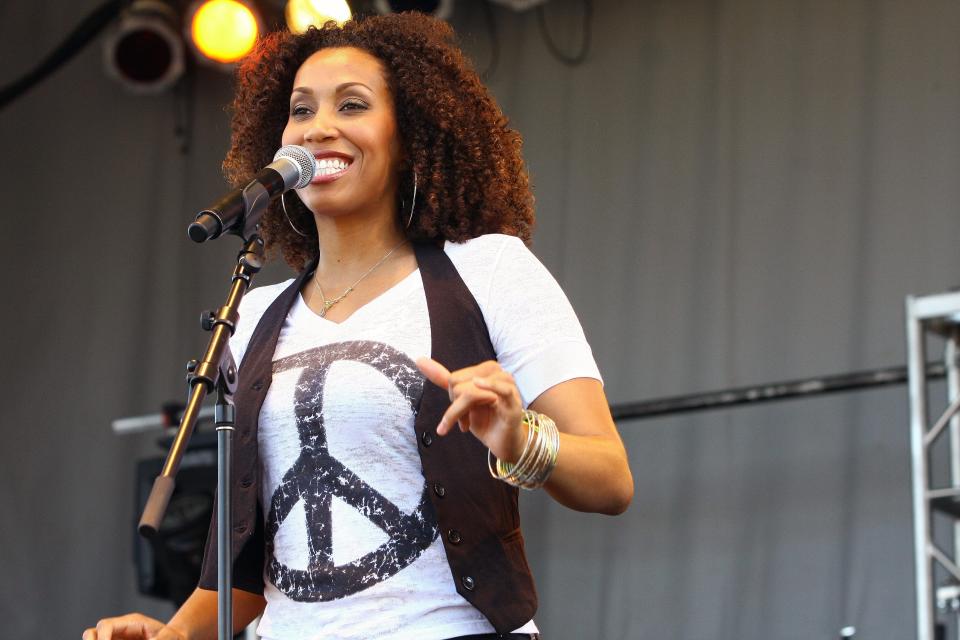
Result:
pixel 477 515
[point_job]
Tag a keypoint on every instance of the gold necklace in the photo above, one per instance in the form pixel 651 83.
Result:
pixel 329 303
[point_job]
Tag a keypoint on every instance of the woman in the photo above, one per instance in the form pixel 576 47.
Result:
pixel 373 504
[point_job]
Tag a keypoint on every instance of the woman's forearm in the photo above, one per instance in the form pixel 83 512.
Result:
pixel 592 475
pixel 197 618
pixel 592 471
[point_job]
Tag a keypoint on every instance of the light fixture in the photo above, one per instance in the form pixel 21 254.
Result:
pixel 520 5
pixel 222 31
pixel 145 52
pixel 437 8
pixel 301 14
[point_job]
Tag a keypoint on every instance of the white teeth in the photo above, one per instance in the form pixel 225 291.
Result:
pixel 330 166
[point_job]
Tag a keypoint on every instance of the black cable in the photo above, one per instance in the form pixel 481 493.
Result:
pixel 580 56
pixel 183 110
pixel 494 38
pixel 80 37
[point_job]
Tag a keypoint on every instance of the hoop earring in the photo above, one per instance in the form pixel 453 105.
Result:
pixel 413 201
pixel 283 204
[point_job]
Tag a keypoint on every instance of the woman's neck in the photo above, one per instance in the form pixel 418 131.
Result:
pixel 350 243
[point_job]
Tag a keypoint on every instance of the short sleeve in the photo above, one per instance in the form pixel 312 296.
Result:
pixel 534 329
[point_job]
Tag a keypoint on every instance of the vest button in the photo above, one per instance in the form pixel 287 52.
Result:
pixel 426 439
pixel 246 481
pixel 240 528
pixel 467 583
pixel 454 536
pixel 439 489
pixel 256 386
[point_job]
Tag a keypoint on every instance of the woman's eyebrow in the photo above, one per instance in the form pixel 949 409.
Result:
pixel 347 85
pixel 337 89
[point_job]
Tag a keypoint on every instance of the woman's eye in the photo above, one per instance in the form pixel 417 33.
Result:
pixel 299 110
pixel 353 105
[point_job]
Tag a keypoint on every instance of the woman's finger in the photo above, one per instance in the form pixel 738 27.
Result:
pixel 484 369
pixel 116 628
pixel 434 371
pixel 503 386
pixel 465 397
pixel 133 626
pixel 104 629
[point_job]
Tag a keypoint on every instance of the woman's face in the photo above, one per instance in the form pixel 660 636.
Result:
pixel 342 111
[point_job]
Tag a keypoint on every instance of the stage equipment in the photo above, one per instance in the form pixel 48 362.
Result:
pixel 301 14
pixel 575 59
pixel 152 422
pixel 168 565
pixel 936 315
pixel 520 5
pixel 145 52
pixel 221 32
pixel 769 392
pixel 442 9
pixel 937 572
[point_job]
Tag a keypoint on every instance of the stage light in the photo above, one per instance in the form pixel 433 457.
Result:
pixel 145 52
pixel 223 31
pixel 437 8
pixel 520 5
pixel 301 14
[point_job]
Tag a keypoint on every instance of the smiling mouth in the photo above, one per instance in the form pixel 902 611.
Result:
pixel 331 167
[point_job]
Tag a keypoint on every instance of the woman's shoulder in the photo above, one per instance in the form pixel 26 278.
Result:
pixel 490 244
pixel 484 254
pixel 256 300
pixel 478 260
pixel 532 326
pixel 494 265
pixel 252 308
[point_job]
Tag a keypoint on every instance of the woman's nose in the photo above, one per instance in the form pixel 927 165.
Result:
pixel 321 127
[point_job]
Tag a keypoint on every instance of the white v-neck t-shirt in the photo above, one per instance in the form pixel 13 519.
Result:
pixel 353 550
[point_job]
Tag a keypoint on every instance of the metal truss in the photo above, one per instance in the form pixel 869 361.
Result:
pixel 937 315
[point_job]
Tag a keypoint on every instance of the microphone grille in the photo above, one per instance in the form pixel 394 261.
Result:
pixel 304 160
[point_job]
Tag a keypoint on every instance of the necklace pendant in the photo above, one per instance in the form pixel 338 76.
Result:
pixel 329 303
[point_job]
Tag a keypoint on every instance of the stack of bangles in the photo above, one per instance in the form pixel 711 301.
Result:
pixel 539 455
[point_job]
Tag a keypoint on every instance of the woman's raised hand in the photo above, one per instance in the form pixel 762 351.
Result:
pixel 133 626
pixel 485 401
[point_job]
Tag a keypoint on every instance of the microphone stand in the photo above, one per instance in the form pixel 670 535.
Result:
pixel 216 370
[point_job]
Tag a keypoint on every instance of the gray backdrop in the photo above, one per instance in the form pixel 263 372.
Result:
pixel 730 193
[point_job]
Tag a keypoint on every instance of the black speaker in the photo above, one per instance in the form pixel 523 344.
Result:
pixel 168 566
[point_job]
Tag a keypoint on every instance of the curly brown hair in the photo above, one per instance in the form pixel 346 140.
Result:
pixel 471 177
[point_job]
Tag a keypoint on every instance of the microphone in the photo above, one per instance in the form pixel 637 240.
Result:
pixel 238 212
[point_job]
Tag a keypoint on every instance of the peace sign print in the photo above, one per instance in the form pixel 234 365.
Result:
pixel 317 477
